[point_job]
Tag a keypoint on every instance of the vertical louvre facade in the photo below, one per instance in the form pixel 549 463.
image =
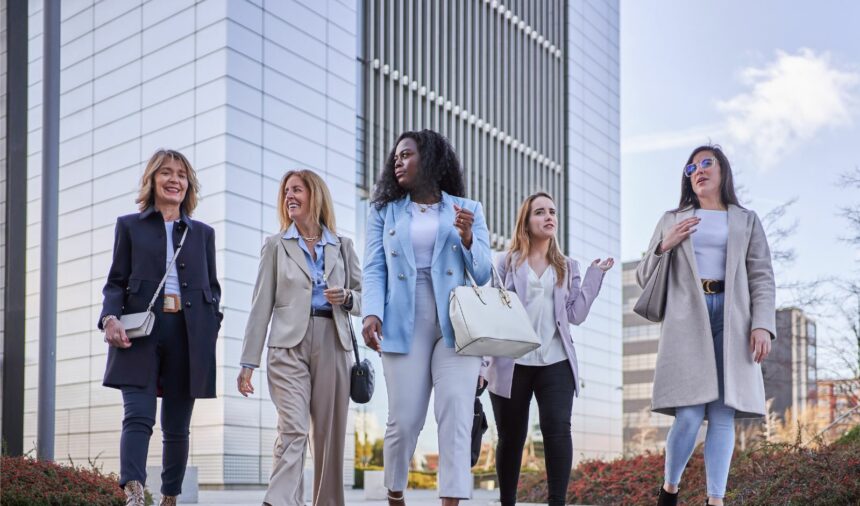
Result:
pixel 488 75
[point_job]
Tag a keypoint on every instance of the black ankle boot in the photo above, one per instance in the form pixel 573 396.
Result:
pixel 667 499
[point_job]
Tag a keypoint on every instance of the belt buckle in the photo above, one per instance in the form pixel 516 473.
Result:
pixel 706 285
pixel 172 303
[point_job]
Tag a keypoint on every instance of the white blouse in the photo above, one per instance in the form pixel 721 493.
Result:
pixel 425 226
pixel 540 305
pixel 171 286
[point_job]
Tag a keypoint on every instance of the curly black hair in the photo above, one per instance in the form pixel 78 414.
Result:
pixel 439 169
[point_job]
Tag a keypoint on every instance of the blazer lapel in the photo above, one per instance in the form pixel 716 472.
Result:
pixel 402 229
pixel 291 246
pixel 446 218
pixel 737 238
pixel 521 281
pixel 330 252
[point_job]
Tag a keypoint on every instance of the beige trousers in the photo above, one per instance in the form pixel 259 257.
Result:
pixel 309 385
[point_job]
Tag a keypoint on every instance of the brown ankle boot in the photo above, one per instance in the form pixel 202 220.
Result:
pixel 168 500
pixel 134 494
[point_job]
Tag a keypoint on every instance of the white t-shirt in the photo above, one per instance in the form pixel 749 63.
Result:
pixel 171 286
pixel 540 305
pixel 425 226
pixel 709 243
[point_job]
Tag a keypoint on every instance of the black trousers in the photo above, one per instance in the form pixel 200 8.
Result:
pixel 553 386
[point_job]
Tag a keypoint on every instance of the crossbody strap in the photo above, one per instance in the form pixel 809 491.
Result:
pixel 346 287
pixel 170 266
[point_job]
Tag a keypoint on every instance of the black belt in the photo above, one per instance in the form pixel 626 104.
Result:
pixel 321 313
pixel 712 286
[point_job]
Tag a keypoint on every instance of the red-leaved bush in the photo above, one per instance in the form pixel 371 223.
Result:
pixel 766 475
pixel 26 481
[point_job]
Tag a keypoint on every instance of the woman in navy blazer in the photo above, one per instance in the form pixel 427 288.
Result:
pixel 177 360
pixel 421 236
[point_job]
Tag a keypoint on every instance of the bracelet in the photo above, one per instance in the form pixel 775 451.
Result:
pixel 106 319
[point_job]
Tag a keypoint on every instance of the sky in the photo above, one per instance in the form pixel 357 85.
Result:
pixel 776 84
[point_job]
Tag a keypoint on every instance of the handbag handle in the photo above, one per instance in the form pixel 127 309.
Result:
pixel 503 293
pixel 170 266
pixel 348 317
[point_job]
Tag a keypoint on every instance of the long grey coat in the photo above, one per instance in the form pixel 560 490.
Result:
pixel 686 372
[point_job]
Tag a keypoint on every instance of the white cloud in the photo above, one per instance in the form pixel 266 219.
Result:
pixel 785 102
pixel 788 101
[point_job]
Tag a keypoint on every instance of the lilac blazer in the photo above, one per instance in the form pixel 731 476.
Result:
pixel 572 302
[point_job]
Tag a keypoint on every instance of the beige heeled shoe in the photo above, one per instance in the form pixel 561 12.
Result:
pixel 168 500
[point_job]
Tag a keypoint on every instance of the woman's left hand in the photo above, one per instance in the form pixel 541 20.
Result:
pixel 463 220
pixel 335 296
pixel 604 265
pixel 760 344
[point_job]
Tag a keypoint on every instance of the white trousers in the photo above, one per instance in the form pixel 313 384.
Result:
pixel 409 379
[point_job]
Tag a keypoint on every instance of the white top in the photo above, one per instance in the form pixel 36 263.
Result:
pixel 709 243
pixel 541 309
pixel 171 286
pixel 423 231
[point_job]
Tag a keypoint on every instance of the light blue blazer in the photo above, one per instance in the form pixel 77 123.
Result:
pixel 389 274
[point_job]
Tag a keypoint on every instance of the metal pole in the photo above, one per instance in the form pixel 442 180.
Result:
pixel 50 198
pixel 16 227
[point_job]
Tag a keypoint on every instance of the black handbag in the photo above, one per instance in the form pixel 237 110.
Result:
pixel 361 376
pixel 479 426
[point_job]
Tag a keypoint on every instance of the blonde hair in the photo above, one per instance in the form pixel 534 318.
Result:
pixel 321 206
pixel 521 242
pixel 146 194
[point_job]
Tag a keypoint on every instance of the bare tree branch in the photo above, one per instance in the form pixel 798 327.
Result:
pixel 779 232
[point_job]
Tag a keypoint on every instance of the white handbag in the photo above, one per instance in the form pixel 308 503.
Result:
pixel 490 321
pixel 140 324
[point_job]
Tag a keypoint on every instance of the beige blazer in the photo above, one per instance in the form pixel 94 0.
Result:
pixel 686 372
pixel 282 296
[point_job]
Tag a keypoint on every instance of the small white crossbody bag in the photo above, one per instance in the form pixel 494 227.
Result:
pixel 140 324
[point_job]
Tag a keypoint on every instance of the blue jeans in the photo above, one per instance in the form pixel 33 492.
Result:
pixel 720 437
pixel 177 404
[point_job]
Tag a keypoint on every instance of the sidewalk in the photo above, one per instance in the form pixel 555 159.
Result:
pixel 353 497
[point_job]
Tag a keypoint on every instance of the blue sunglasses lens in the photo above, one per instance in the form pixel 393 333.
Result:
pixel 707 162
pixel 689 169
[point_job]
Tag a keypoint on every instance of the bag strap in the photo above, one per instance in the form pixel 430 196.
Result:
pixel 346 287
pixel 170 266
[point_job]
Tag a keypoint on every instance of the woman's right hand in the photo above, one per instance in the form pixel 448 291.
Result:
pixel 678 233
pixel 244 381
pixel 371 331
pixel 115 334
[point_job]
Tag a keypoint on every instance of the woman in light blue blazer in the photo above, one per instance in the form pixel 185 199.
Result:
pixel 421 236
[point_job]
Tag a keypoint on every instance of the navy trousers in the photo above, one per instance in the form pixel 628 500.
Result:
pixel 171 380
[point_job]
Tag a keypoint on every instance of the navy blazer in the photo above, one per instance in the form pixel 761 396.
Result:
pixel 139 263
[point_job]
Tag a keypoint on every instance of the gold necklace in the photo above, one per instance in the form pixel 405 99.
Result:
pixel 423 208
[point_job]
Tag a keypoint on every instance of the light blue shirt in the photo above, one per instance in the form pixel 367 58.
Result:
pixel 316 267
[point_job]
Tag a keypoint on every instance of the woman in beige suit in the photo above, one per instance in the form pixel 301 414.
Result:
pixel 303 292
pixel 719 319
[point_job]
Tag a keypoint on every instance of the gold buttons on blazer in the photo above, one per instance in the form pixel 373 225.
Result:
pixel 401 276
pixel 454 247
pixel 394 253
pixel 391 232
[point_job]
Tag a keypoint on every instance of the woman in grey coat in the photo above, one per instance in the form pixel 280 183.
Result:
pixel 719 319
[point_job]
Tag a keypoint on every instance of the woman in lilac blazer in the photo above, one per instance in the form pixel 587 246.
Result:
pixel 555 295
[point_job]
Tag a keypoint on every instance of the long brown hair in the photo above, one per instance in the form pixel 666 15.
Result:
pixel 727 181
pixel 521 242
pixel 146 193
pixel 319 201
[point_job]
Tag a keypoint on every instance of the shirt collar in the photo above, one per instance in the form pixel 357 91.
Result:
pixel 146 213
pixel 325 238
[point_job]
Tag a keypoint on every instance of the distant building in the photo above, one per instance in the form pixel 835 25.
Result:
pixel 839 404
pixel 789 370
